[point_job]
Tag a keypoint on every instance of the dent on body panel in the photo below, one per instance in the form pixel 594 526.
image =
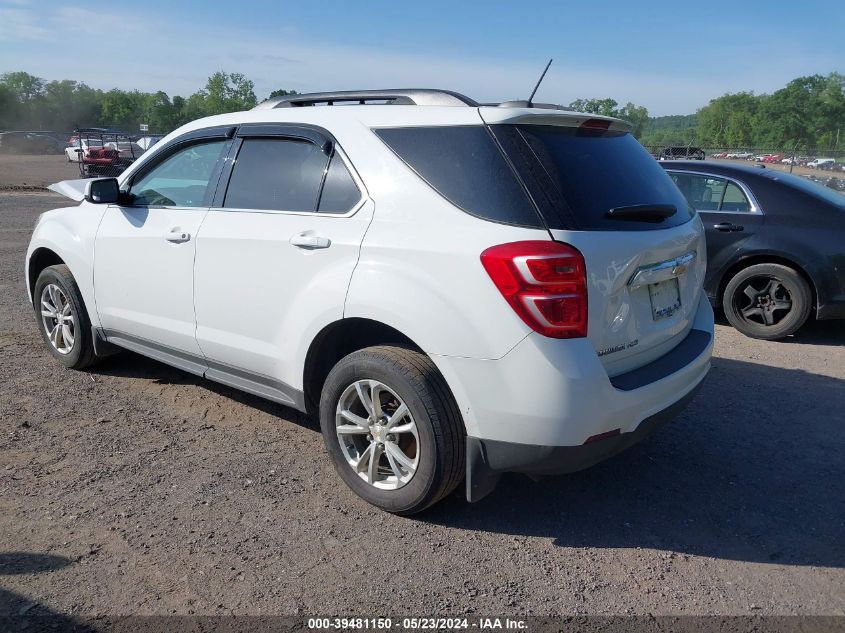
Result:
pixel 611 282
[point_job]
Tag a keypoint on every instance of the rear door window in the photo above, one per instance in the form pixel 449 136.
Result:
pixel 702 192
pixel 734 199
pixel 463 164
pixel 276 174
pixel 710 193
pixel 576 176
pixel 340 193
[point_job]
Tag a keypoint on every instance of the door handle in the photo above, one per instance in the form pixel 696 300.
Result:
pixel 728 227
pixel 310 241
pixel 177 236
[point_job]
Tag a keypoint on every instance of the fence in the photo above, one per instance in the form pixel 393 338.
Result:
pixel 102 153
pixel 798 156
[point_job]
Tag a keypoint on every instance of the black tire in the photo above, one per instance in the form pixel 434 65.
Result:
pixel 418 383
pixel 767 301
pixel 81 353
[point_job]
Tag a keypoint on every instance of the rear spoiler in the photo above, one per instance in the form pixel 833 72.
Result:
pixel 545 116
pixel 73 189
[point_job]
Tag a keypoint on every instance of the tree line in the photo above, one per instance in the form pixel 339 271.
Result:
pixel 28 102
pixel 809 112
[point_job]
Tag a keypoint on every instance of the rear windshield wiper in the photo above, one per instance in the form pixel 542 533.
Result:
pixel 642 212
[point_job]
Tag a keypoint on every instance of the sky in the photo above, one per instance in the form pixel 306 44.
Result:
pixel 672 57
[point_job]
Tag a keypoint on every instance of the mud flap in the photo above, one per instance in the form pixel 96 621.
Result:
pixel 102 347
pixel 480 479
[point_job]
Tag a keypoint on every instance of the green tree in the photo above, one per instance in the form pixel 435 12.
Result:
pixel 24 86
pixel 282 93
pixel 604 107
pixel 727 120
pixel 122 109
pixel 636 115
pixel 8 107
pixel 226 92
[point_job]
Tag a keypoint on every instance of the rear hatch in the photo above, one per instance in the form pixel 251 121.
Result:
pixel 600 191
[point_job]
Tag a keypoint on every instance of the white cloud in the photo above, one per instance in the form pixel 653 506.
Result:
pixel 20 24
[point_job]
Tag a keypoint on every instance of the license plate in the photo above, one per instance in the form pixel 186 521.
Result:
pixel 665 299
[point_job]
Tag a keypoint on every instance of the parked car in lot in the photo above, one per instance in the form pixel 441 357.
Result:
pixel 773 158
pixel 821 163
pixel 682 153
pixel 105 153
pixel 29 143
pixel 775 243
pixel 76 151
pixel 453 289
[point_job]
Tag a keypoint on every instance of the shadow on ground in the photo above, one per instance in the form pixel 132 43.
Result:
pixel 828 333
pixel 752 470
pixel 18 613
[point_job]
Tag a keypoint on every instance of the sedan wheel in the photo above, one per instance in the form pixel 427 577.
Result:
pixel 767 301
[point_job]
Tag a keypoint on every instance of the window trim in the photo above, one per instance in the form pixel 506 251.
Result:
pixel 752 201
pixel 226 176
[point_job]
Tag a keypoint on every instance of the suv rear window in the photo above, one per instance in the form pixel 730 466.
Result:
pixel 576 176
pixel 463 164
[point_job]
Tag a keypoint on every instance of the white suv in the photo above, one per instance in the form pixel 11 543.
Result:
pixel 456 290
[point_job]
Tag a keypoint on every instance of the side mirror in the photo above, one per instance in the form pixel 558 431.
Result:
pixel 102 191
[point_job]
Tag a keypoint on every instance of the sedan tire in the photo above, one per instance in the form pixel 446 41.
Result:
pixel 767 301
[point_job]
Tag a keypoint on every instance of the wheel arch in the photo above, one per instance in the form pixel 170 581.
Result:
pixel 41 258
pixel 66 236
pixel 339 339
pixel 766 258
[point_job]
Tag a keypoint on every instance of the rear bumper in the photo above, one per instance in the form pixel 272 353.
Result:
pixel 537 409
pixel 488 459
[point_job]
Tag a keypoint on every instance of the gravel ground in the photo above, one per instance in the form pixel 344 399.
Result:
pixel 135 488
pixel 23 171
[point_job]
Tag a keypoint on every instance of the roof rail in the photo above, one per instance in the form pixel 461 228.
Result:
pixel 413 96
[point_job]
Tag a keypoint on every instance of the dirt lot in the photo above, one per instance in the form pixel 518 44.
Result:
pixel 136 488
pixel 798 170
pixel 25 171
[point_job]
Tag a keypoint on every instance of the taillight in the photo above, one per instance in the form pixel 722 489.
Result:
pixel 544 282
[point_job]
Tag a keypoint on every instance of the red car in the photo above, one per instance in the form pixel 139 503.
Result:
pixel 773 158
pixel 103 161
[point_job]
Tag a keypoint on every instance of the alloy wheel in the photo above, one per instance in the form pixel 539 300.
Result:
pixel 377 434
pixel 57 318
